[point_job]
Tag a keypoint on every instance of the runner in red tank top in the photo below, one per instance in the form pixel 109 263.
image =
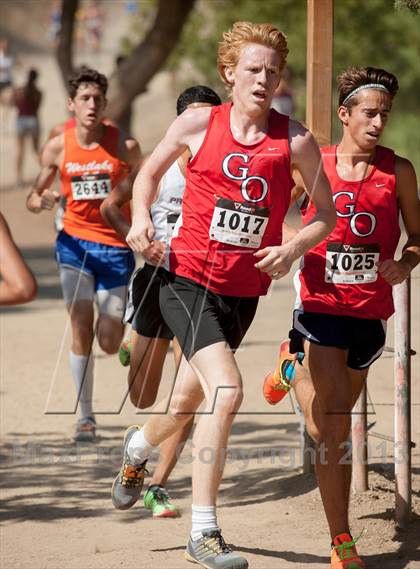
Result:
pixel 150 336
pixel 93 159
pixel 345 284
pixel 226 250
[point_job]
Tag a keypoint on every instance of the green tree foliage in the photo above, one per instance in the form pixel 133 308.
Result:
pixel 412 5
pixel 370 32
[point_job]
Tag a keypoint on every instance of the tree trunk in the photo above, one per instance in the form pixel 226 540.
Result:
pixel 65 41
pixel 132 77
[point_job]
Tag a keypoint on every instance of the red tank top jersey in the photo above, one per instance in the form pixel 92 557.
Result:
pixel 339 275
pixel 235 201
pixel 87 177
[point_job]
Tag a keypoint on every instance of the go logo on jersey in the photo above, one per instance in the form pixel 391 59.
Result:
pixel 346 208
pixel 242 174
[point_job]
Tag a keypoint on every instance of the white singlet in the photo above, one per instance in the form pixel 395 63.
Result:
pixel 167 208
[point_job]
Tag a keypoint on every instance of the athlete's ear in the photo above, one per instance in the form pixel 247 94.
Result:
pixel 343 114
pixel 70 104
pixel 230 75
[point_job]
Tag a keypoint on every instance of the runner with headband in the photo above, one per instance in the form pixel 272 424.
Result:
pixel 344 288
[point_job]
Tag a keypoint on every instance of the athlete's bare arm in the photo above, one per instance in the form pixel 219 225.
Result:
pixel 306 157
pixel 17 284
pixel 395 272
pixel 186 132
pixel 41 197
pixel 299 189
pixel 111 206
pixel 288 231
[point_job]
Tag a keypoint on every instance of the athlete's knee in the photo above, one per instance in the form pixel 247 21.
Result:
pixel 226 398
pixel 108 343
pixel 142 400
pixel 109 333
pixel 82 339
pixel 182 406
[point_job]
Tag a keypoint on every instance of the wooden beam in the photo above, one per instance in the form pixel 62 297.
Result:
pixel 402 407
pixel 319 69
pixel 319 61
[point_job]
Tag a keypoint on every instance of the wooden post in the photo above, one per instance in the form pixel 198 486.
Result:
pixel 402 425
pixel 319 59
pixel 319 53
pixel 359 443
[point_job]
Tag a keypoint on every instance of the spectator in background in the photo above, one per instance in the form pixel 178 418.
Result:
pixel 27 99
pixel 6 65
pixel 55 21
pixel 283 95
pixel 131 7
pixel 93 20
pixel 17 284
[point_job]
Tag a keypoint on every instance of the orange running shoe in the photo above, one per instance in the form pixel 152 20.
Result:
pixel 277 383
pixel 344 554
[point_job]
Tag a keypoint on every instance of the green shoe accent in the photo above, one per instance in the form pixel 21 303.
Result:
pixel 124 353
pixel 156 499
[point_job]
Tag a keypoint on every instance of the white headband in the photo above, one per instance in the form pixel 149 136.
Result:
pixel 367 86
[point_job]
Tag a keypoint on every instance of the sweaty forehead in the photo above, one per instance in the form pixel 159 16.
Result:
pixel 374 99
pixel 254 53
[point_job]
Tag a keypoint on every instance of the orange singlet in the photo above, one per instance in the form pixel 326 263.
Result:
pixel 87 177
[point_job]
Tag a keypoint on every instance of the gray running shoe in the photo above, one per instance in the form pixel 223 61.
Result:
pixel 128 484
pixel 212 552
pixel 85 431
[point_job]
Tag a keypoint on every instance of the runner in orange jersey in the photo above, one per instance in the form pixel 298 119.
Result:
pixel 92 159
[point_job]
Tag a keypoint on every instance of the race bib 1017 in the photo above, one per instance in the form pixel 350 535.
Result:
pixel 239 224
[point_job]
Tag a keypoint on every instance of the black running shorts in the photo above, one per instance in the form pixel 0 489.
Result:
pixel 143 310
pixel 363 338
pixel 199 317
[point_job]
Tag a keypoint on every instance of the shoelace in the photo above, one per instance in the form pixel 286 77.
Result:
pixel 133 475
pixel 160 495
pixel 280 383
pixel 216 543
pixel 345 550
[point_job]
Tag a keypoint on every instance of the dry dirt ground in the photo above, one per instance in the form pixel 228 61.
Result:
pixel 56 510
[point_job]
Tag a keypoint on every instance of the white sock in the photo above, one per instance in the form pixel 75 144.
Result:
pixel 82 371
pixel 203 517
pixel 139 448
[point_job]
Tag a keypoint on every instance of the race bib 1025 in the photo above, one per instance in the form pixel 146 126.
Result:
pixel 351 264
